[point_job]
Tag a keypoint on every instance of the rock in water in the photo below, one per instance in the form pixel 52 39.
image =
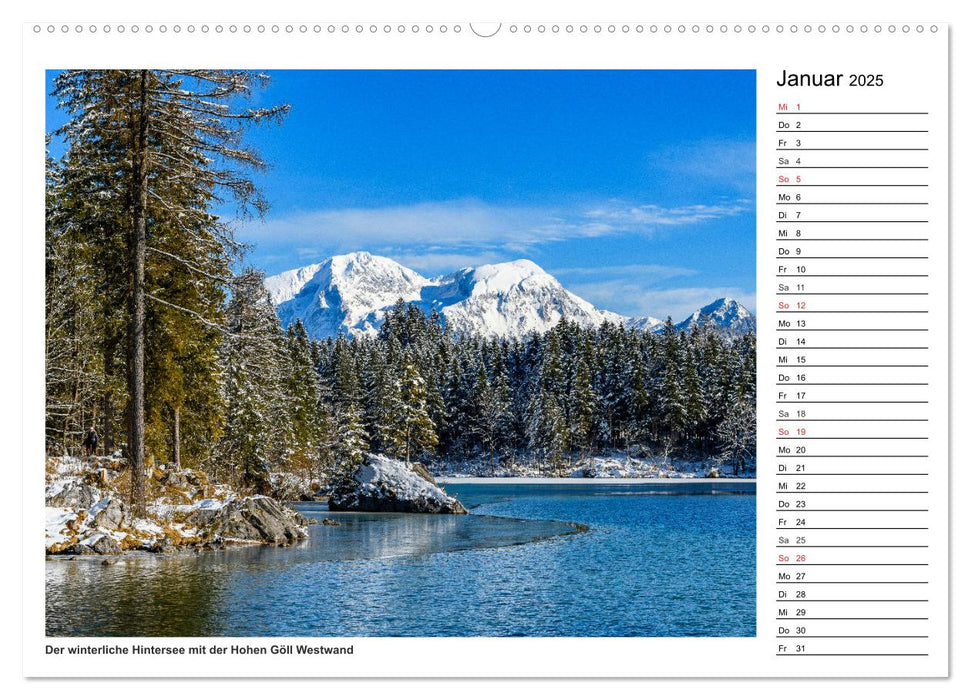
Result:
pixel 105 545
pixel 98 543
pixel 386 485
pixel 253 519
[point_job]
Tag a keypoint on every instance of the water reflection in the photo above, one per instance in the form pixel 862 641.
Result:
pixel 652 564
pixel 142 594
pixel 195 594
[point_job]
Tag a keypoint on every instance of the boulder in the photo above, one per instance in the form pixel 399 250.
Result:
pixel 173 478
pixel 78 549
pixel 253 519
pixel 383 484
pixel 95 543
pixel 72 494
pixel 110 513
pixel 105 545
pixel 163 545
pixel 87 513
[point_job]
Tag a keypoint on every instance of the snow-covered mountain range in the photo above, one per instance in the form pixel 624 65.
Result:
pixel 350 294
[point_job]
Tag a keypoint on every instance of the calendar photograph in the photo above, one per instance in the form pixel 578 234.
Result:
pixel 400 353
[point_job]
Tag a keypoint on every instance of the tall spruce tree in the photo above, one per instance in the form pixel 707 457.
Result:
pixel 413 432
pixel 309 419
pixel 156 150
pixel 582 403
pixel 351 439
pixel 259 431
pixel 695 407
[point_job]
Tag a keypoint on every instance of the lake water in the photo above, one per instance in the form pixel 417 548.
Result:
pixel 672 559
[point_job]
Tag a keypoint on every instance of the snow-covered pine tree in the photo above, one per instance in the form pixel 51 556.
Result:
pixel 710 370
pixel 413 431
pixel 696 409
pixel 308 418
pixel 638 394
pixel 582 404
pixel 490 417
pixel 259 433
pixel 381 398
pixel 480 405
pixel 548 437
pixel 499 416
pixel 736 432
pixel 672 394
pixel 352 444
pixel 456 401
pixel 611 368
pixel 437 363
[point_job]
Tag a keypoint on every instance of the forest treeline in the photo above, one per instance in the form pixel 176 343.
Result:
pixel 156 339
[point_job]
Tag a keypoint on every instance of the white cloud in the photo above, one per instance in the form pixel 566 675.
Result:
pixel 434 263
pixel 727 162
pixel 470 223
pixel 460 222
pixel 648 215
pixel 655 272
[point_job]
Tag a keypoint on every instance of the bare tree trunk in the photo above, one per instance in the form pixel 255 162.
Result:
pixel 107 437
pixel 176 439
pixel 136 358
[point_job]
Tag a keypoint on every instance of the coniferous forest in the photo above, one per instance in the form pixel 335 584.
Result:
pixel 159 336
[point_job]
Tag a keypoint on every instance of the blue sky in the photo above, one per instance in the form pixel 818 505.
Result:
pixel 635 188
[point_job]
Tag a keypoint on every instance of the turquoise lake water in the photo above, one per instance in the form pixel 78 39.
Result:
pixel 672 559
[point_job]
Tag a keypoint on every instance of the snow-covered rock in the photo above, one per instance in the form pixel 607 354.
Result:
pixel 383 484
pixel 71 493
pixel 87 511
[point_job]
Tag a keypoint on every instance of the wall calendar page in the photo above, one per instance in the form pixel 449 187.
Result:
pixel 513 349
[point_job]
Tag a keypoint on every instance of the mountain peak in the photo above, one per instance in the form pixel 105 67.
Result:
pixel 725 314
pixel 499 277
pixel 350 294
pixel 343 295
pixel 358 257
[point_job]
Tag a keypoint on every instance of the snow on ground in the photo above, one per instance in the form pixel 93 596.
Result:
pixel 617 465
pixel 86 507
pixel 55 528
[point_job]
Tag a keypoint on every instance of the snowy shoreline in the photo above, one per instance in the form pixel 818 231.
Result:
pixel 587 480
pixel 86 511
pixel 611 466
